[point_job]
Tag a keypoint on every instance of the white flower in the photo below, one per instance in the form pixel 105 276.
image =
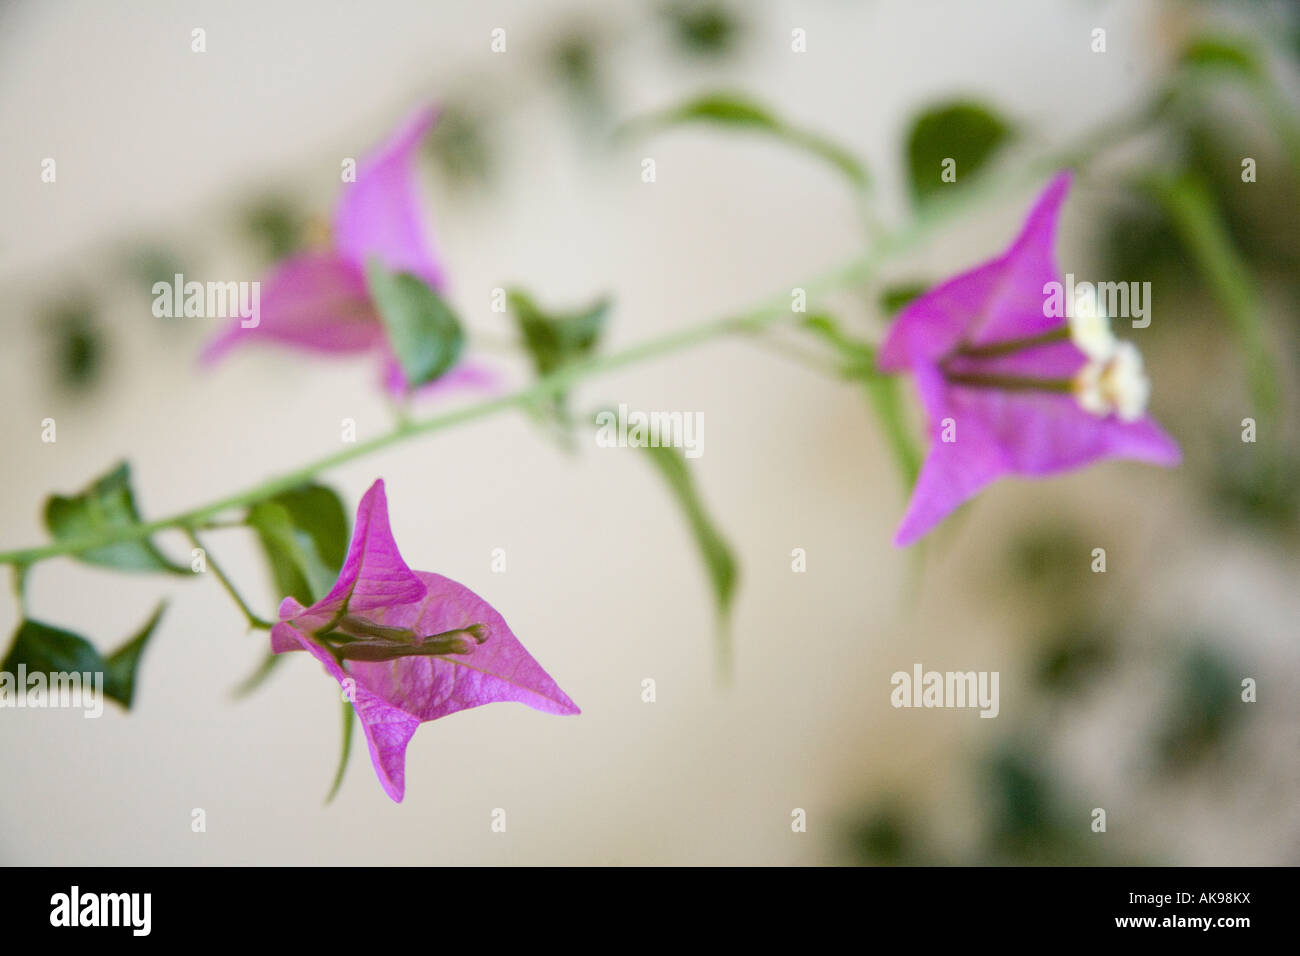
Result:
pixel 1117 385
pixel 1090 331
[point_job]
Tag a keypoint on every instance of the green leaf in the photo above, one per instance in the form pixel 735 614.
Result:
pixel 121 665
pixel 422 329
pixel 106 505
pixel 967 133
pixel 349 712
pixel 304 534
pixel 555 340
pixel 1230 53
pixel 718 558
pixel 49 650
pixel 702 28
pixel 894 298
pixel 732 110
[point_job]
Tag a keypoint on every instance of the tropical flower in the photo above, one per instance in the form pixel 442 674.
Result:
pixel 317 301
pixel 409 646
pixel 1009 387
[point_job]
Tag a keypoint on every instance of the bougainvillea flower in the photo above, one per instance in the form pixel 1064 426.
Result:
pixel 1011 386
pixel 409 646
pixel 318 301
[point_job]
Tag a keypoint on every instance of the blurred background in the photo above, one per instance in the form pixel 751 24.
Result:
pixel 1119 690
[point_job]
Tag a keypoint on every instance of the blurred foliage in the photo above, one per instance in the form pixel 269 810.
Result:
pixel 460 146
pixel 704 28
pixel 966 132
pixel 888 836
pixel 894 298
pixel 278 226
pixel 77 343
pixel 1204 708
pixel 736 111
pixel 1073 658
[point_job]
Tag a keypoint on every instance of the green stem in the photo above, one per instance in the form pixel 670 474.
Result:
pixel 253 619
pixel 852 273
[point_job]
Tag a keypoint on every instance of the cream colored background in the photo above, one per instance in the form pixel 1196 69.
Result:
pixel 603 584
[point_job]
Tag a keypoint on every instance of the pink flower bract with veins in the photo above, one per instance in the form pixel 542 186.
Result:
pixel 410 646
pixel 999 376
pixel 318 301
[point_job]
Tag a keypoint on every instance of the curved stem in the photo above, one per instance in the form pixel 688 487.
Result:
pixel 851 273
pixel 253 619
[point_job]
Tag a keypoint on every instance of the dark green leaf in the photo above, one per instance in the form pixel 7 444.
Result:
pixel 964 132
pixel 717 555
pixel 121 665
pixel 894 298
pixel 278 225
pixel 304 534
pixel 49 650
pixel 727 109
pixel 556 339
pixel 106 505
pixel 422 329
pixel 702 27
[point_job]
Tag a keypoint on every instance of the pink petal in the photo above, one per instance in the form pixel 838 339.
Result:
pixel 998 300
pixel 431 687
pixel 388 729
pixel 314 301
pixel 380 214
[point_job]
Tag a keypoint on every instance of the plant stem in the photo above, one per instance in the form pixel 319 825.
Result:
pixel 852 273
pixel 253 619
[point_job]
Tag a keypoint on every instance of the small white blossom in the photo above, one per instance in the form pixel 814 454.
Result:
pixel 1090 331
pixel 1117 385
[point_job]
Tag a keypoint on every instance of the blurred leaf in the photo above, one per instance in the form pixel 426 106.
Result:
pixel 888 837
pixel 718 558
pixel 348 714
pixel 78 343
pixel 735 111
pixel 1232 53
pixel 965 132
pixel 304 534
pixel 702 27
pixel 106 505
pixel 277 225
pixel 422 329
pixel 895 297
pixel 41 648
pixel 1204 705
pixel 459 144
pixel 555 340
pixel 1196 220
pixel 1072 659
pixel 1262 488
